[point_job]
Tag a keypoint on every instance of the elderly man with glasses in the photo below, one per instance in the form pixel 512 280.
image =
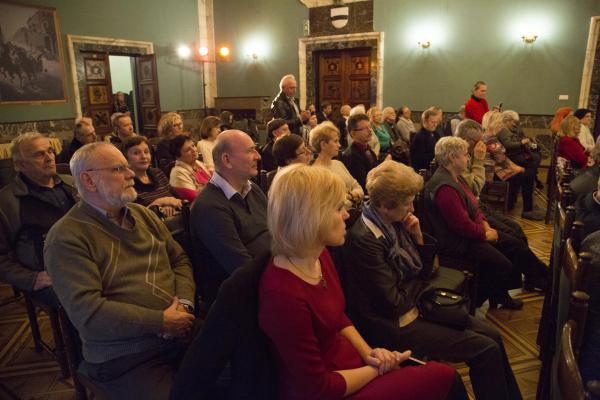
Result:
pixel 123 280
pixel 359 158
pixel 29 206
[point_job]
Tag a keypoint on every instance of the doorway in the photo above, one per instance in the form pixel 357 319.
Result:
pixel 122 75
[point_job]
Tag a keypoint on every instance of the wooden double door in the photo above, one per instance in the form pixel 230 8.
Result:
pixel 344 77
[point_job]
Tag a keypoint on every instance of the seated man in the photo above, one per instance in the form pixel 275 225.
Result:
pixel 276 129
pixel 29 207
pixel 83 133
pixel 358 158
pixel 588 211
pixel 229 217
pixel 122 128
pixel 123 280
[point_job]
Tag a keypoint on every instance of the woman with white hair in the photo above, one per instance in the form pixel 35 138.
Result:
pixel 462 230
pixel 320 353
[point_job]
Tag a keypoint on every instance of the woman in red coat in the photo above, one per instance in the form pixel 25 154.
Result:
pixel 569 146
pixel 320 353
pixel 477 105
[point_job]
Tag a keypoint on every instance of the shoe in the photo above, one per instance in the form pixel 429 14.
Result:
pixel 533 215
pixel 506 302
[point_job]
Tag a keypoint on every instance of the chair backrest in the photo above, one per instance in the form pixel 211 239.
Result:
pixel 577 266
pixel 569 379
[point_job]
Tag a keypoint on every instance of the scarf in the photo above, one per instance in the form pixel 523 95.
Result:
pixel 402 254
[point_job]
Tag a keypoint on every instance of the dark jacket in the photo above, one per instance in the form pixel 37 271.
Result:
pixel 231 334
pixel 24 221
pixel 588 212
pixel 267 160
pixel 65 156
pixel 448 241
pixel 282 108
pixel 163 155
pixel 358 164
pixel 422 149
pixel 586 181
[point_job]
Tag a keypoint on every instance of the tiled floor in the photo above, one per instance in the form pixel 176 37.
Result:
pixel 36 376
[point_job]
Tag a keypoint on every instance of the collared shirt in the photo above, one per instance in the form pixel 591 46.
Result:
pixel 227 189
pixel 291 100
pixel 56 195
pixel 127 221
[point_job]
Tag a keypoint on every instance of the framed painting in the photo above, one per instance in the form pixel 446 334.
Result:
pixel 31 55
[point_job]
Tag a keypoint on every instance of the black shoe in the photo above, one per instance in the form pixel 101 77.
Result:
pixel 506 302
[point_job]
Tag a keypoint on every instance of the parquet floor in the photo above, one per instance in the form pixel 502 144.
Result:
pixel 36 376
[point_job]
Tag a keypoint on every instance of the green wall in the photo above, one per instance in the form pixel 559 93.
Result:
pixel 162 23
pixel 278 23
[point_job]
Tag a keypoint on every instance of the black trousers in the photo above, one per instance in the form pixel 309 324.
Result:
pixel 524 182
pixel 479 345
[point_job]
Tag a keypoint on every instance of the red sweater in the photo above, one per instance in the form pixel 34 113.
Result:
pixel 304 322
pixel 571 149
pixel 475 108
pixel 455 213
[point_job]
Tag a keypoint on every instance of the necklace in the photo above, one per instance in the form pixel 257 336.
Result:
pixel 321 279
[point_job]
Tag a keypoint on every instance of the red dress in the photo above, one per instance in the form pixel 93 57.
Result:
pixel 475 108
pixel 304 321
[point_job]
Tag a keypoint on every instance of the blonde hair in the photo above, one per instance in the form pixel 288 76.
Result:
pixel 166 123
pixel 324 132
pixel 449 145
pixel 302 200
pixel 392 183
pixel 371 111
pixel 493 121
pixel 430 112
pixel 567 126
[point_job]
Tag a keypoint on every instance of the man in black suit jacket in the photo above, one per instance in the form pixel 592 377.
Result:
pixel 325 114
pixel 359 158
pixel 285 107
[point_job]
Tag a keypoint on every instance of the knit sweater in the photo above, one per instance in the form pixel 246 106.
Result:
pixel 115 282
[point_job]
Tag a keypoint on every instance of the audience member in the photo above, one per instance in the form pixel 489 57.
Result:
pixel 276 129
pixel 122 128
pixel 226 118
pixel 305 129
pixel 120 104
pixel 477 105
pixel 586 181
pixel 29 206
pixel 342 125
pixel 455 120
pixel 129 325
pixel 569 146
pixel 462 231
pixel 324 140
pixel 588 211
pixel 169 126
pixel 519 148
pixel 312 109
pixel 390 266
pixel 325 114
pixel 383 135
pixel 405 124
pixel 229 218
pixel 400 149
pixel 189 176
pixel 83 133
pixel 291 149
pixel 423 143
pixel 585 136
pixel 589 354
pixel 358 158
pixel 285 107
pixel 209 130
pixel 560 114
pixel 320 353
pixel 151 184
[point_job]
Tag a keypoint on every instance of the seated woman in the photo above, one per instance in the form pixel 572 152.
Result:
pixel 405 124
pixel 462 230
pixel 188 176
pixel 325 141
pixel 320 353
pixel 288 150
pixel 169 126
pixel 559 115
pixel 569 146
pixel 379 129
pixel 209 130
pixel 151 184
pixel 389 268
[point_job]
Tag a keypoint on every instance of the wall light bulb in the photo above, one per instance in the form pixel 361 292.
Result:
pixel 203 51
pixel 184 51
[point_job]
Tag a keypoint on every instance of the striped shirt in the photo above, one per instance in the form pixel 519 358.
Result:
pixel 157 188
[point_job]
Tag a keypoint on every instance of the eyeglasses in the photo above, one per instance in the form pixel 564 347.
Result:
pixel 117 169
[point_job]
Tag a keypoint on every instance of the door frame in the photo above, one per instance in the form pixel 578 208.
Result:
pixel 306 46
pixel 76 43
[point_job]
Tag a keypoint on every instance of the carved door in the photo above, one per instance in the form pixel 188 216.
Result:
pixel 96 96
pixel 149 101
pixel 344 77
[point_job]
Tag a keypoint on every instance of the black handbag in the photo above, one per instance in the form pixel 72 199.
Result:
pixel 445 307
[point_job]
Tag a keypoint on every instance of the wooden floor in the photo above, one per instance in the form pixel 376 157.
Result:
pixel 36 376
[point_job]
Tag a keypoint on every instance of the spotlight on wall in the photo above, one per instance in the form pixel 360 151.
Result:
pixel 424 44
pixel 203 51
pixel 256 48
pixel 529 38
pixel 184 51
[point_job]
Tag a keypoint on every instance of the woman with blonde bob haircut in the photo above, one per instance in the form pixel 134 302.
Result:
pixel 169 127
pixel 569 146
pixel 301 304
pixel 325 141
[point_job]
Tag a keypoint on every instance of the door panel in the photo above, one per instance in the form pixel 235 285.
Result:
pixel 98 91
pixel 149 100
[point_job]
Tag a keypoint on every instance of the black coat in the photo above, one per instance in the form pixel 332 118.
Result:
pixel 358 164
pixel 588 212
pixel 422 149
pixel 281 108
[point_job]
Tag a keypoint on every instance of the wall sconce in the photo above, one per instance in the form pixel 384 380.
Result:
pixel 529 38
pixel 203 51
pixel 424 44
pixel 184 51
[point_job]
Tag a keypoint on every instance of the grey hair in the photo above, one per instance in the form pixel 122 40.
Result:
pixel 510 115
pixel 359 109
pixel 430 112
pixel 15 150
pixel 285 78
pixel 468 129
pixel 81 161
pixel 81 123
pixel 449 145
